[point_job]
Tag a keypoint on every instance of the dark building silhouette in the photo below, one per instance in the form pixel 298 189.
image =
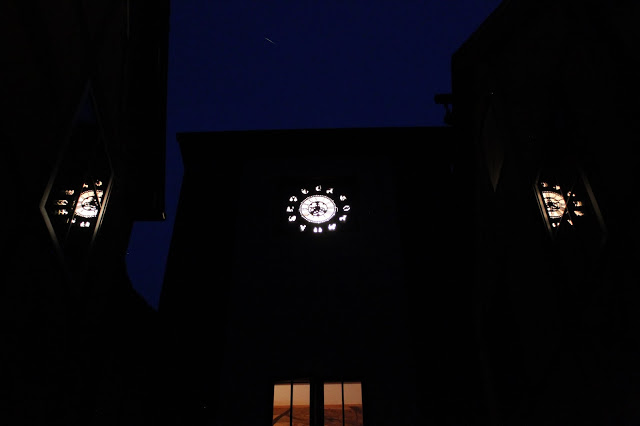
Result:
pixel 544 94
pixel 83 132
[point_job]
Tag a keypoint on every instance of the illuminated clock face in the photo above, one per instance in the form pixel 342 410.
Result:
pixel 88 204
pixel 555 204
pixel 77 207
pixel 317 209
pixel 559 206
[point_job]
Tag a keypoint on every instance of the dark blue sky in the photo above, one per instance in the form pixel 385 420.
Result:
pixel 261 64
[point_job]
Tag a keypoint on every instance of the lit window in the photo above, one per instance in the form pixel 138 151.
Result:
pixel 292 404
pixel 340 403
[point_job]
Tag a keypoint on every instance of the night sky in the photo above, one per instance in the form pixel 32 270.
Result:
pixel 269 64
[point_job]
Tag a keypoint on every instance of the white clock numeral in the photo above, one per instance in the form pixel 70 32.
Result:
pixel 293 199
pixel 317 229
pixel 331 227
pixel 319 188
pixel 61 212
pixel 62 202
pixel 289 209
pixel 292 218
pixel 85 224
pixel 304 191
pixel 343 197
pixel 303 227
pixel 330 191
pixel 343 218
pixel 346 208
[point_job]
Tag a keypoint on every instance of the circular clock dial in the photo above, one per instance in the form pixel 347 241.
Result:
pixel 555 203
pixel 323 209
pixel 88 204
pixel 317 208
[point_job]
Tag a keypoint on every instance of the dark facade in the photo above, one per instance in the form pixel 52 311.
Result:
pixel 83 131
pixel 467 293
pixel 383 302
pixel 544 93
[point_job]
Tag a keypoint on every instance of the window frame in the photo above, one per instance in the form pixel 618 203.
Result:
pixel 317 405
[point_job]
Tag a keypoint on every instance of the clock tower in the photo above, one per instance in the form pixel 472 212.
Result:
pixel 298 270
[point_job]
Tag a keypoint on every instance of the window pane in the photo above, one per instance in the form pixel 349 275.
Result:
pixel 281 404
pixel 353 404
pixel 334 412
pixel 333 404
pixel 301 404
